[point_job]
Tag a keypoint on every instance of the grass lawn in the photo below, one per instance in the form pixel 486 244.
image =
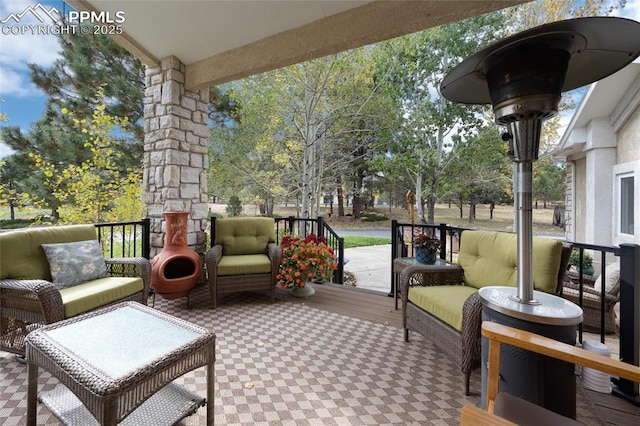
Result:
pixel 351 241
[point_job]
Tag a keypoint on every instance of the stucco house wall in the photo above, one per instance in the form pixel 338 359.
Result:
pixel 601 146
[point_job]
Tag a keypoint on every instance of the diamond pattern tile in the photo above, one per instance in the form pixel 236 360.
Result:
pixel 291 364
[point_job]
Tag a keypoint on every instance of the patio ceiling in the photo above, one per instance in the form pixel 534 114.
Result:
pixel 220 41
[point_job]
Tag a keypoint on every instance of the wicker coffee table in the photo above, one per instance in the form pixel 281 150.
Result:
pixel 117 365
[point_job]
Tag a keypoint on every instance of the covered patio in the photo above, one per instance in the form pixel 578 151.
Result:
pixel 338 357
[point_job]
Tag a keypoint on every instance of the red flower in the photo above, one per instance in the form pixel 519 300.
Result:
pixel 310 255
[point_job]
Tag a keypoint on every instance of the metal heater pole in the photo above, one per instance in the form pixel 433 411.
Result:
pixel 524 143
pixel 525 231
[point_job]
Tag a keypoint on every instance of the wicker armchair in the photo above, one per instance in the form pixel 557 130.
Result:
pixel 463 345
pixel 591 302
pixel 28 297
pixel 244 257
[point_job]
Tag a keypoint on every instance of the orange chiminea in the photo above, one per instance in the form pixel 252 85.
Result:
pixel 175 270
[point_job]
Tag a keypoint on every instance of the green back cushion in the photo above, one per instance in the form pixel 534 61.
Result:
pixel 21 253
pixel 245 235
pixel 490 258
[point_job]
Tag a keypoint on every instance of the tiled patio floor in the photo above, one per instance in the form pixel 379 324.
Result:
pixel 292 362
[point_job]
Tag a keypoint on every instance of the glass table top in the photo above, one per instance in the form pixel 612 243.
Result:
pixel 121 341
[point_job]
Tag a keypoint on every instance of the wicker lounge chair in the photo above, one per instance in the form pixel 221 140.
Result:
pixel 244 257
pixel 30 297
pixel 487 258
pixel 591 299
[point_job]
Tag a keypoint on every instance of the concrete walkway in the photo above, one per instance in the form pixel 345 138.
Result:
pixel 371 266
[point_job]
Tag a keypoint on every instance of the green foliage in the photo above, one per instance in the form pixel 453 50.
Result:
pixel 298 130
pixel 413 66
pixel 86 63
pixel 234 206
pixel 373 217
pixel 97 189
pixel 548 180
pixel 587 259
pixel 17 223
pixel 480 171
pixel 89 61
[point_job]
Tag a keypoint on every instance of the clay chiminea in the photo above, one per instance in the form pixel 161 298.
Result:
pixel 175 270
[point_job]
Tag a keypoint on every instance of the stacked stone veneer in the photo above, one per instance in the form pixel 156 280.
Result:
pixel 175 152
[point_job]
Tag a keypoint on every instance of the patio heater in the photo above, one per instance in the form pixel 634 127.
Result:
pixel 523 76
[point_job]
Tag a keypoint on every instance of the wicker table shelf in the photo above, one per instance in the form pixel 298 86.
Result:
pixel 116 366
pixel 406 268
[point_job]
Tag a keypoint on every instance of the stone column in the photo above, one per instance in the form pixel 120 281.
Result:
pixel 175 153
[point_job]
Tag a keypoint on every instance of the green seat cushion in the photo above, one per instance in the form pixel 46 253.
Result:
pixel 23 257
pixel 444 302
pixel 93 294
pixel 244 264
pixel 245 235
pixel 491 258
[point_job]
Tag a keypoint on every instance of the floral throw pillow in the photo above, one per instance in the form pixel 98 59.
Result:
pixel 75 263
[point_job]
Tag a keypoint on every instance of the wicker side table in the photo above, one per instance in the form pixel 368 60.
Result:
pixel 116 365
pixel 408 268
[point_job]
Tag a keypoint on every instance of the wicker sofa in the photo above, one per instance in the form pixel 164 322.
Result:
pixel 448 312
pixel 244 256
pixel 38 285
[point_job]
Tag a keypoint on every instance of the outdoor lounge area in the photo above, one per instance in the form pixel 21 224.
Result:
pixel 335 358
pixel 262 334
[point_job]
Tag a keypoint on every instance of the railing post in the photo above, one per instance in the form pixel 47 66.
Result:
pixel 320 226
pixel 146 237
pixel 443 241
pixel 394 251
pixel 212 231
pixel 340 269
pixel 629 317
pixel 291 222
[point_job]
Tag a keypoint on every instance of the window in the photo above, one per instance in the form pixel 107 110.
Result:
pixel 626 205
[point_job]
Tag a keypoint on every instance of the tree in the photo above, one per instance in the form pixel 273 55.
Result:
pixel 89 61
pixel 480 171
pixel 299 130
pixel 88 192
pixel 548 181
pixel 417 64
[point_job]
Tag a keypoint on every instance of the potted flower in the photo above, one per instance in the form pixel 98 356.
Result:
pixel 305 260
pixel 587 262
pixel 426 246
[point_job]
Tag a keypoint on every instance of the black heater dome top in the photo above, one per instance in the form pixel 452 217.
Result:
pixel 597 47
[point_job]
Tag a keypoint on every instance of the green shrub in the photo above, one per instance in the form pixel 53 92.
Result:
pixel 234 206
pixel 574 259
pixel 373 217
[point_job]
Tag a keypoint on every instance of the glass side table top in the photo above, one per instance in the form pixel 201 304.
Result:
pixel 121 341
pixel 411 261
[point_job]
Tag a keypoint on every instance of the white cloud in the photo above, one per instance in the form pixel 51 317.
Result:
pixel 4 150
pixel 16 51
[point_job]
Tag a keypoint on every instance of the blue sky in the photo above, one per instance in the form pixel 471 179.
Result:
pixel 23 102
